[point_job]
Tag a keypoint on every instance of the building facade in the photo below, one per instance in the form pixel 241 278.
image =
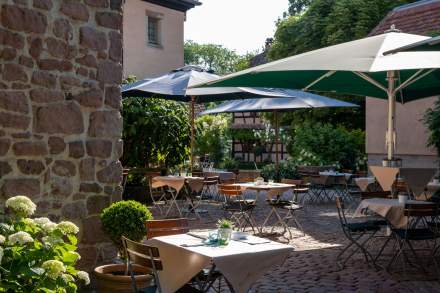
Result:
pixel 154 36
pixel 422 17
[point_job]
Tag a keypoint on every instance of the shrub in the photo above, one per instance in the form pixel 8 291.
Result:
pixel 125 218
pixel 36 254
pixel 432 121
pixel 211 137
pixel 324 144
pixel 229 164
pixel 286 170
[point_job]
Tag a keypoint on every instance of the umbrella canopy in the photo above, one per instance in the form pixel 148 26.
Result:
pixel 175 86
pixel 432 44
pixel 296 100
pixel 358 67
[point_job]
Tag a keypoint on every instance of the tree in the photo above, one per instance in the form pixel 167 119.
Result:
pixel 215 57
pixel 212 137
pixel 298 6
pixel 156 132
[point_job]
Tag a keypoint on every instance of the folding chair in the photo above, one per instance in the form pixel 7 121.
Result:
pixel 210 187
pixel 157 228
pixel 400 187
pixel 194 197
pixel 238 208
pixel 355 233
pixel 422 225
pixel 320 186
pixel 158 195
pixel 148 256
pixel 276 202
pixel 301 188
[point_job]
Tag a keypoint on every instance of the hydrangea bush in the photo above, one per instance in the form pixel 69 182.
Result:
pixel 36 254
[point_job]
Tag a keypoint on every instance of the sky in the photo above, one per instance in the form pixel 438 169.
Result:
pixel 240 25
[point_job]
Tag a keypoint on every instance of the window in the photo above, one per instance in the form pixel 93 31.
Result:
pixel 153 37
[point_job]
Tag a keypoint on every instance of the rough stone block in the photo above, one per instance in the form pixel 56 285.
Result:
pixel 40 95
pixel 5 169
pixel 30 148
pixel 31 167
pixel 61 186
pixel 63 118
pixel 99 148
pixel 92 38
pixel 63 29
pixel 76 149
pixel 87 169
pixel 111 174
pixel 90 188
pixel 14 101
pixel 105 124
pixel 96 203
pixel 97 3
pixel 14 72
pixel 113 97
pixel 91 98
pixel 12 39
pixel 64 168
pixel 44 78
pixel 14 121
pixel 43 4
pixel 111 20
pixel 4 146
pixel 109 72
pixel 21 186
pixel 92 231
pixel 74 210
pixel 23 19
pixel 75 10
pixel 56 145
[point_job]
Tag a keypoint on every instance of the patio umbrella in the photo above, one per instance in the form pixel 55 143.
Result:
pixel 292 100
pixel 358 67
pixel 176 86
pixel 432 44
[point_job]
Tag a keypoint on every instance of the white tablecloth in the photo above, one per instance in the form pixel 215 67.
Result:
pixel 390 209
pixel 241 263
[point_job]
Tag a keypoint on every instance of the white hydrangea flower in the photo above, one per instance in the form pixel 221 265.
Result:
pixel 49 227
pixel 7 227
pixel 67 278
pixel 29 221
pixel 42 221
pixel 1 254
pixel 83 276
pixel 67 227
pixel 51 240
pixel 2 239
pixel 54 268
pixel 20 237
pixel 21 205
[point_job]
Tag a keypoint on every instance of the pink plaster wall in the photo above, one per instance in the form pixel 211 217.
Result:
pixel 147 61
pixel 411 133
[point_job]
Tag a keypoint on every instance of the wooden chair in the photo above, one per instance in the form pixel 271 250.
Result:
pixel 210 187
pixel 156 228
pixel 375 194
pixel 238 208
pixel 301 188
pixel 147 256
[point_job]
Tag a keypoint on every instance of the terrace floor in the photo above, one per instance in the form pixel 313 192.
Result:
pixel 312 268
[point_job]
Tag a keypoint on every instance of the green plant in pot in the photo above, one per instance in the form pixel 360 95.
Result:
pixel 123 218
pixel 224 231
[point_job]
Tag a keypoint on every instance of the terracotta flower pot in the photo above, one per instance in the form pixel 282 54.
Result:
pixel 111 278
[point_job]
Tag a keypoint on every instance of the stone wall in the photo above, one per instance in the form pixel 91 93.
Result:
pixel 60 71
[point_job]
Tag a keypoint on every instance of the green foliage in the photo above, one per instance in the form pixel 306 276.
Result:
pixel 229 164
pixel 215 57
pixel 156 132
pixel 37 255
pixel 125 218
pixel 211 137
pixel 286 170
pixel 324 144
pixel 327 22
pixel 432 121
pixel 224 224
pixel 298 6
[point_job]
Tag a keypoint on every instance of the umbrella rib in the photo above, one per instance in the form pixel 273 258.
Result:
pixel 327 74
pixel 415 77
pixel 370 80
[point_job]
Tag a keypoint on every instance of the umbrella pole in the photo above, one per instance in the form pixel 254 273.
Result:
pixel 193 101
pixel 390 141
pixel 277 129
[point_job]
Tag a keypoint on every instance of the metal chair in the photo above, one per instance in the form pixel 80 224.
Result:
pixel 209 190
pixel 355 233
pixel 422 226
pixel 148 256
pixel 158 195
pixel 238 208
pixel 301 188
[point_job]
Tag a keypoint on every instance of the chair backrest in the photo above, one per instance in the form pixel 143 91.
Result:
pixel 400 187
pixel 211 180
pixel 150 176
pixel 229 190
pixel 421 210
pixel 197 173
pixel 375 194
pixel 227 181
pixel 156 228
pixel 292 181
pixel 144 255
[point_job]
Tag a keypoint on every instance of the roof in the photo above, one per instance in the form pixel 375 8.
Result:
pixel 180 5
pixel 421 17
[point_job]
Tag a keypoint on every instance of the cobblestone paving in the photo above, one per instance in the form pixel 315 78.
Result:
pixel 312 268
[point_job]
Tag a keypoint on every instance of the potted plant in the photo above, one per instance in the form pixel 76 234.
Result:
pixel 36 254
pixel 224 231
pixel 124 218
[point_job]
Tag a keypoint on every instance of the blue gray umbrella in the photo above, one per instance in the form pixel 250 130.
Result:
pixel 292 100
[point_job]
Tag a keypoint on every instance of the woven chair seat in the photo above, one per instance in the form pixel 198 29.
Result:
pixel 361 227
pixel 416 234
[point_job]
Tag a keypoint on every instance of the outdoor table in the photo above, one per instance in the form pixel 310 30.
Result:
pixel 184 256
pixel 364 182
pixel 177 183
pixel 389 209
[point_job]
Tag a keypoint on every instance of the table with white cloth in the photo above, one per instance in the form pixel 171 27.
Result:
pixel 176 183
pixel 390 209
pixel 240 263
pixel 364 182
